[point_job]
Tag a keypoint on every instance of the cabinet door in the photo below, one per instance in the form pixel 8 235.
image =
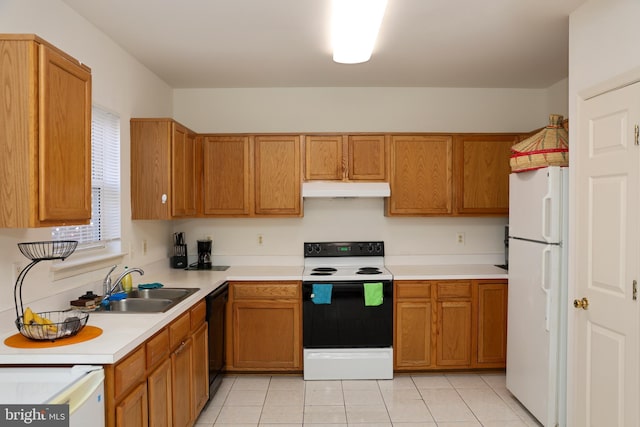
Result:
pixel 181 369
pixel 266 335
pixel 64 134
pixel 482 173
pixel 413 334
pixel 421 175
pixel 132 411
pixel 159 392
pixel 226 175
pixel 277 175
pixel 367 158
pixel 150 169
pixel 183 172
pixel 200 366
pixel 324 158
pixel 453 346
pixel 492 324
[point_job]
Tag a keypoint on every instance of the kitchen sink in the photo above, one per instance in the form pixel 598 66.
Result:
pixel 149 300
pixel 168 293
pixel 137 305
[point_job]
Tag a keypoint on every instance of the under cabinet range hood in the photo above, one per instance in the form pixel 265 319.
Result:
pixel 331 189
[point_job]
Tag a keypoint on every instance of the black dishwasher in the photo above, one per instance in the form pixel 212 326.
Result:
pixel 216 306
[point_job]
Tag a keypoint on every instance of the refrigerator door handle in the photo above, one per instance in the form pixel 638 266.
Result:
pixel 546 212
pixel 543 282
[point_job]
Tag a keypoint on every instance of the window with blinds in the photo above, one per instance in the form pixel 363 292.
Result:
pixel 105 186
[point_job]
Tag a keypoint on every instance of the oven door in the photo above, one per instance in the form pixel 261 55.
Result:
pixel 347 322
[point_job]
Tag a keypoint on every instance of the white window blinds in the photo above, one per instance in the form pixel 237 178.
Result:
pixel 105 185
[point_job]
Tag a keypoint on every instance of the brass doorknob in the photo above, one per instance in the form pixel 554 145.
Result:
pixel 581 303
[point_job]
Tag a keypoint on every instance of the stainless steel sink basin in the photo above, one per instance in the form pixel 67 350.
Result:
pixel 149 300
pixel 168 293
pixel 137 305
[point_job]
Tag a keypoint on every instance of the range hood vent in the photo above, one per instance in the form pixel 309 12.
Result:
pixel 345 189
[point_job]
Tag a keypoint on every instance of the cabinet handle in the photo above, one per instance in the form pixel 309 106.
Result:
pixel 181 348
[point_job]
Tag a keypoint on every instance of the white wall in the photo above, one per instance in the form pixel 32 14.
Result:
pixel 120 84
pixel 361 110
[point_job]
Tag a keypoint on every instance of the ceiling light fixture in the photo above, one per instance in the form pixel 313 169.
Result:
pixel 355 25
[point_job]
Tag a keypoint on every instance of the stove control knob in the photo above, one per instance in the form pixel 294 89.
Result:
pixel 317 248
pixel 378 247
pixel 370 247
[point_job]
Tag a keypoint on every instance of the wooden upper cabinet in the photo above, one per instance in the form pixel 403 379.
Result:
pixel 482 173
pixel 324 158
pixel 45 168
pixel 367 158
pixel 183 171
pixel 227 175
pixel 163 170
pixel 421 175
pixel 349 157
pixel 277 179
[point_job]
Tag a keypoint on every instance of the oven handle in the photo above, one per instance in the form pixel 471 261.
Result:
pixel 347 288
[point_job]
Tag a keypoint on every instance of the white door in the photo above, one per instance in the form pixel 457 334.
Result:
pixel 605 336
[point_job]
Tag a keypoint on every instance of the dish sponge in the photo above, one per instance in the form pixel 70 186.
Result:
pixel 155 285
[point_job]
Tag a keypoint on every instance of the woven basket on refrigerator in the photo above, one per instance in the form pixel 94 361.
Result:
pixel 549 147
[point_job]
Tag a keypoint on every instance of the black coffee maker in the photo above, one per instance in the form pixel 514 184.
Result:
pixel 204 254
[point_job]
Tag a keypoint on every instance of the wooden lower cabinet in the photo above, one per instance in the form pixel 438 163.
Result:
pixel 414 319
pixel 264 326
pixel 160 400
pixel 181 390
pixel 132 410
pixel 200 366
pixel 492 324
pixel 453 319
pixel 450 324
pixel 164 381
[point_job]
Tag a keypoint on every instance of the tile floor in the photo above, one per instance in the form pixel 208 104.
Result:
pixel 425 400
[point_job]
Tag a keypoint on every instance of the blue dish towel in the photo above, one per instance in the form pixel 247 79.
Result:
pixel 150 286
pixel 321 293
pixel 373 294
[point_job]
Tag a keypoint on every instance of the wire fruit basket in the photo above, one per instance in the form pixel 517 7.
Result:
pixel 53 324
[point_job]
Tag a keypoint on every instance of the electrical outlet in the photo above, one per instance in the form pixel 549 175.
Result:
pixel 144 246
pixel 260 239
pixel 460 238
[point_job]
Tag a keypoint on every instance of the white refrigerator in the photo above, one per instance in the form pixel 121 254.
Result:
pixel 537 303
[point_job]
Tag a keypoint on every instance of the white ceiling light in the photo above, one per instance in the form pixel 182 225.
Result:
pixel 355 25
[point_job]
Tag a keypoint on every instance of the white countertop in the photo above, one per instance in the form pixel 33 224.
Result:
pixel 124 332
pixel 446 272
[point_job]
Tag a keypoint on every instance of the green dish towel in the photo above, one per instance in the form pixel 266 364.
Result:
pixel 373 294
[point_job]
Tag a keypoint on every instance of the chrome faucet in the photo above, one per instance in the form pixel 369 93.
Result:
pixel 108 288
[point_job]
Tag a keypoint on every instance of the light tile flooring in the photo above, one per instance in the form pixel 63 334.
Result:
pixel 425 400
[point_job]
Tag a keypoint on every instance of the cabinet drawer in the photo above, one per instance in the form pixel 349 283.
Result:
pixel 179 330
pixel 198 314
pixel 265 290
pixel 454 290
pixel 157 348
pixel 409 289
pixel 129 372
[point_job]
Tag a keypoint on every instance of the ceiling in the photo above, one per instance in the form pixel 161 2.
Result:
pixel 286 43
